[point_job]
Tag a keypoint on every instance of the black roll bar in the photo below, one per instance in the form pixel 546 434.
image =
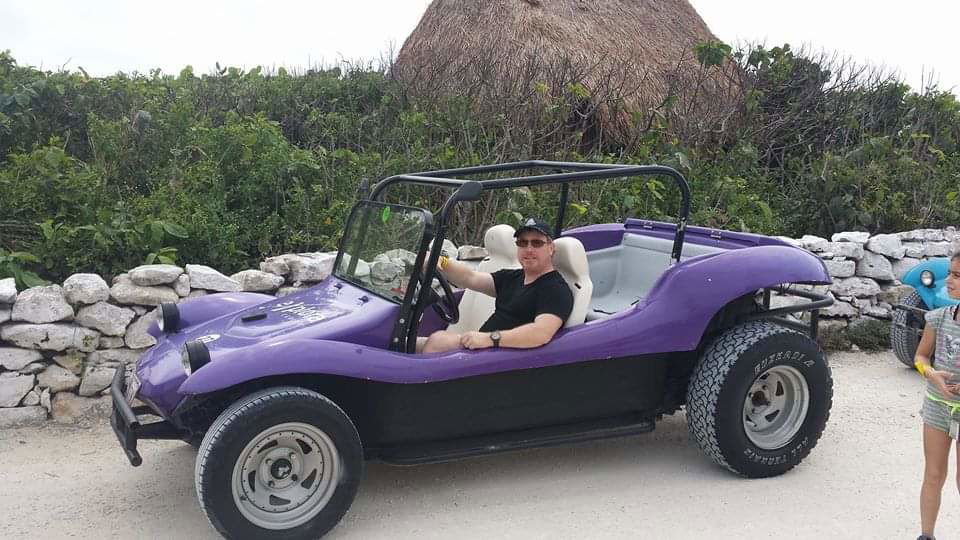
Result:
pixel 564 195
pixel 570 172
pixel 466 189
pixel 469 191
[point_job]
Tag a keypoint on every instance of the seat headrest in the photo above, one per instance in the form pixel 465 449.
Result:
pixel 500 244
pixel 570 259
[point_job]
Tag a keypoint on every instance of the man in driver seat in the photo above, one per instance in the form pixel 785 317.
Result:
pixel 532 302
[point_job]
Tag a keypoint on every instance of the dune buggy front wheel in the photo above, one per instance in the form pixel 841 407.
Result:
pixel 759 399
pixel 280 463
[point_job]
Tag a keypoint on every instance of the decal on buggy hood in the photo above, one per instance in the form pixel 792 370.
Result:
pixel 287 315
pixel 301 310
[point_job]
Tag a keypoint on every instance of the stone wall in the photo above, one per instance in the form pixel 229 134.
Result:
pixel 865 269
pixel 60 345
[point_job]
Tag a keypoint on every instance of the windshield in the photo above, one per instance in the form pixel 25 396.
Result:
pixel 380 247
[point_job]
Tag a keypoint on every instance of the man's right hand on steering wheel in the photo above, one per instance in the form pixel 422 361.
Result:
pixel 446 306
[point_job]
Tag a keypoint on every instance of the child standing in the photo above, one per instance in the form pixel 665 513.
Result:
pixel 941 405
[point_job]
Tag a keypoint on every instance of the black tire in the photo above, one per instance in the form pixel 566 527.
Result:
pixel 280 412
pixel 904 341
pixel 731 368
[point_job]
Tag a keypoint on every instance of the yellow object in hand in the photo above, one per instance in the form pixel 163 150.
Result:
pixel 444 260
pixel 921 368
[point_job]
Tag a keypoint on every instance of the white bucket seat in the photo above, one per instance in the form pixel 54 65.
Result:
pixel 475 307
pixel 570 260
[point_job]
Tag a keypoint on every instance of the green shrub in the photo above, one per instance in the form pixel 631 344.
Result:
pixel 832 338
pixel 869 334
pixel 16 264
pixel 230 167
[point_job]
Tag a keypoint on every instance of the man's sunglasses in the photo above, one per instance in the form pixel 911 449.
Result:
pixel 535 243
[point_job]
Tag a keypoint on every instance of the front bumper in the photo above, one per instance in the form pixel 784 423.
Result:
pixel 818 301
pixel 126 424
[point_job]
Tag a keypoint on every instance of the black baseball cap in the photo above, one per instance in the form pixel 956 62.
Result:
pixel 534 224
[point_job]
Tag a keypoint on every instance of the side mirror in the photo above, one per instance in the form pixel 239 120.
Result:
pixel 470 191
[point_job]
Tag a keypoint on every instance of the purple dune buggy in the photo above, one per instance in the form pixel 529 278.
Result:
pixel 287 397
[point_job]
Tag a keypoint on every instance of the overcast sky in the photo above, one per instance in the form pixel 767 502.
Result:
pixel 105 36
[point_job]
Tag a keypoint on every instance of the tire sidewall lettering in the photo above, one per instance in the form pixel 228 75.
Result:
pixel 796 359
pixel 758 359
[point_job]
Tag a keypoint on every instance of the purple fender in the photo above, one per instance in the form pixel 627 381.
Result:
pixel 297 356
pixel 324 357
pixel 686 297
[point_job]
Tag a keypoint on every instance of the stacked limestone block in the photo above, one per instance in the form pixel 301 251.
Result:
pixel 291 272
pixel 865 269
pixel 39 323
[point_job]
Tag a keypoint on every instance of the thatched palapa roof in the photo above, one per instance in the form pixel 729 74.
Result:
pixel 628 51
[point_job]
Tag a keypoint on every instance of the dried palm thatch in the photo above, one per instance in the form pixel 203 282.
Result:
pixel 618 57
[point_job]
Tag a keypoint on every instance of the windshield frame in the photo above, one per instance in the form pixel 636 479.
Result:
pixel 425 238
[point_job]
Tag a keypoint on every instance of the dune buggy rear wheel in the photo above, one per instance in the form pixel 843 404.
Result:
pixel 904 327
pixel 280 463
pixel 759 399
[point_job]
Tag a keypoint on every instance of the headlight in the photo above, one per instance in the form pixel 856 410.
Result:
pixel 926 277
pixel 169 318
pixel 194 356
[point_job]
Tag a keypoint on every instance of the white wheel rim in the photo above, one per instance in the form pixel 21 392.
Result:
pixel 286 475
pixel 775 407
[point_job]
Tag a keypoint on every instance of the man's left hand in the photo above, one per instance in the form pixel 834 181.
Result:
pixel 476 340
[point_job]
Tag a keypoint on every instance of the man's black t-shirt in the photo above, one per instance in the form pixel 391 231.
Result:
pixel 519 304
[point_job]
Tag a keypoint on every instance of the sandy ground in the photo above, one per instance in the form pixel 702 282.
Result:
pixel 861 481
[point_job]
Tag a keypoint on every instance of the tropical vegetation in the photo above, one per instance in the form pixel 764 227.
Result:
pixel 100 174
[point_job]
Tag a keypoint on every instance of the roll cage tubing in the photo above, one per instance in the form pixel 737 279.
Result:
pixel 405 331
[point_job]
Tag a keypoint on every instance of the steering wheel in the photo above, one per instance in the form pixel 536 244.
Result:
pixel 446 306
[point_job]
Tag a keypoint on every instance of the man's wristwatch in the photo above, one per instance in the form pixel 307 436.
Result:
pixel 495 338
